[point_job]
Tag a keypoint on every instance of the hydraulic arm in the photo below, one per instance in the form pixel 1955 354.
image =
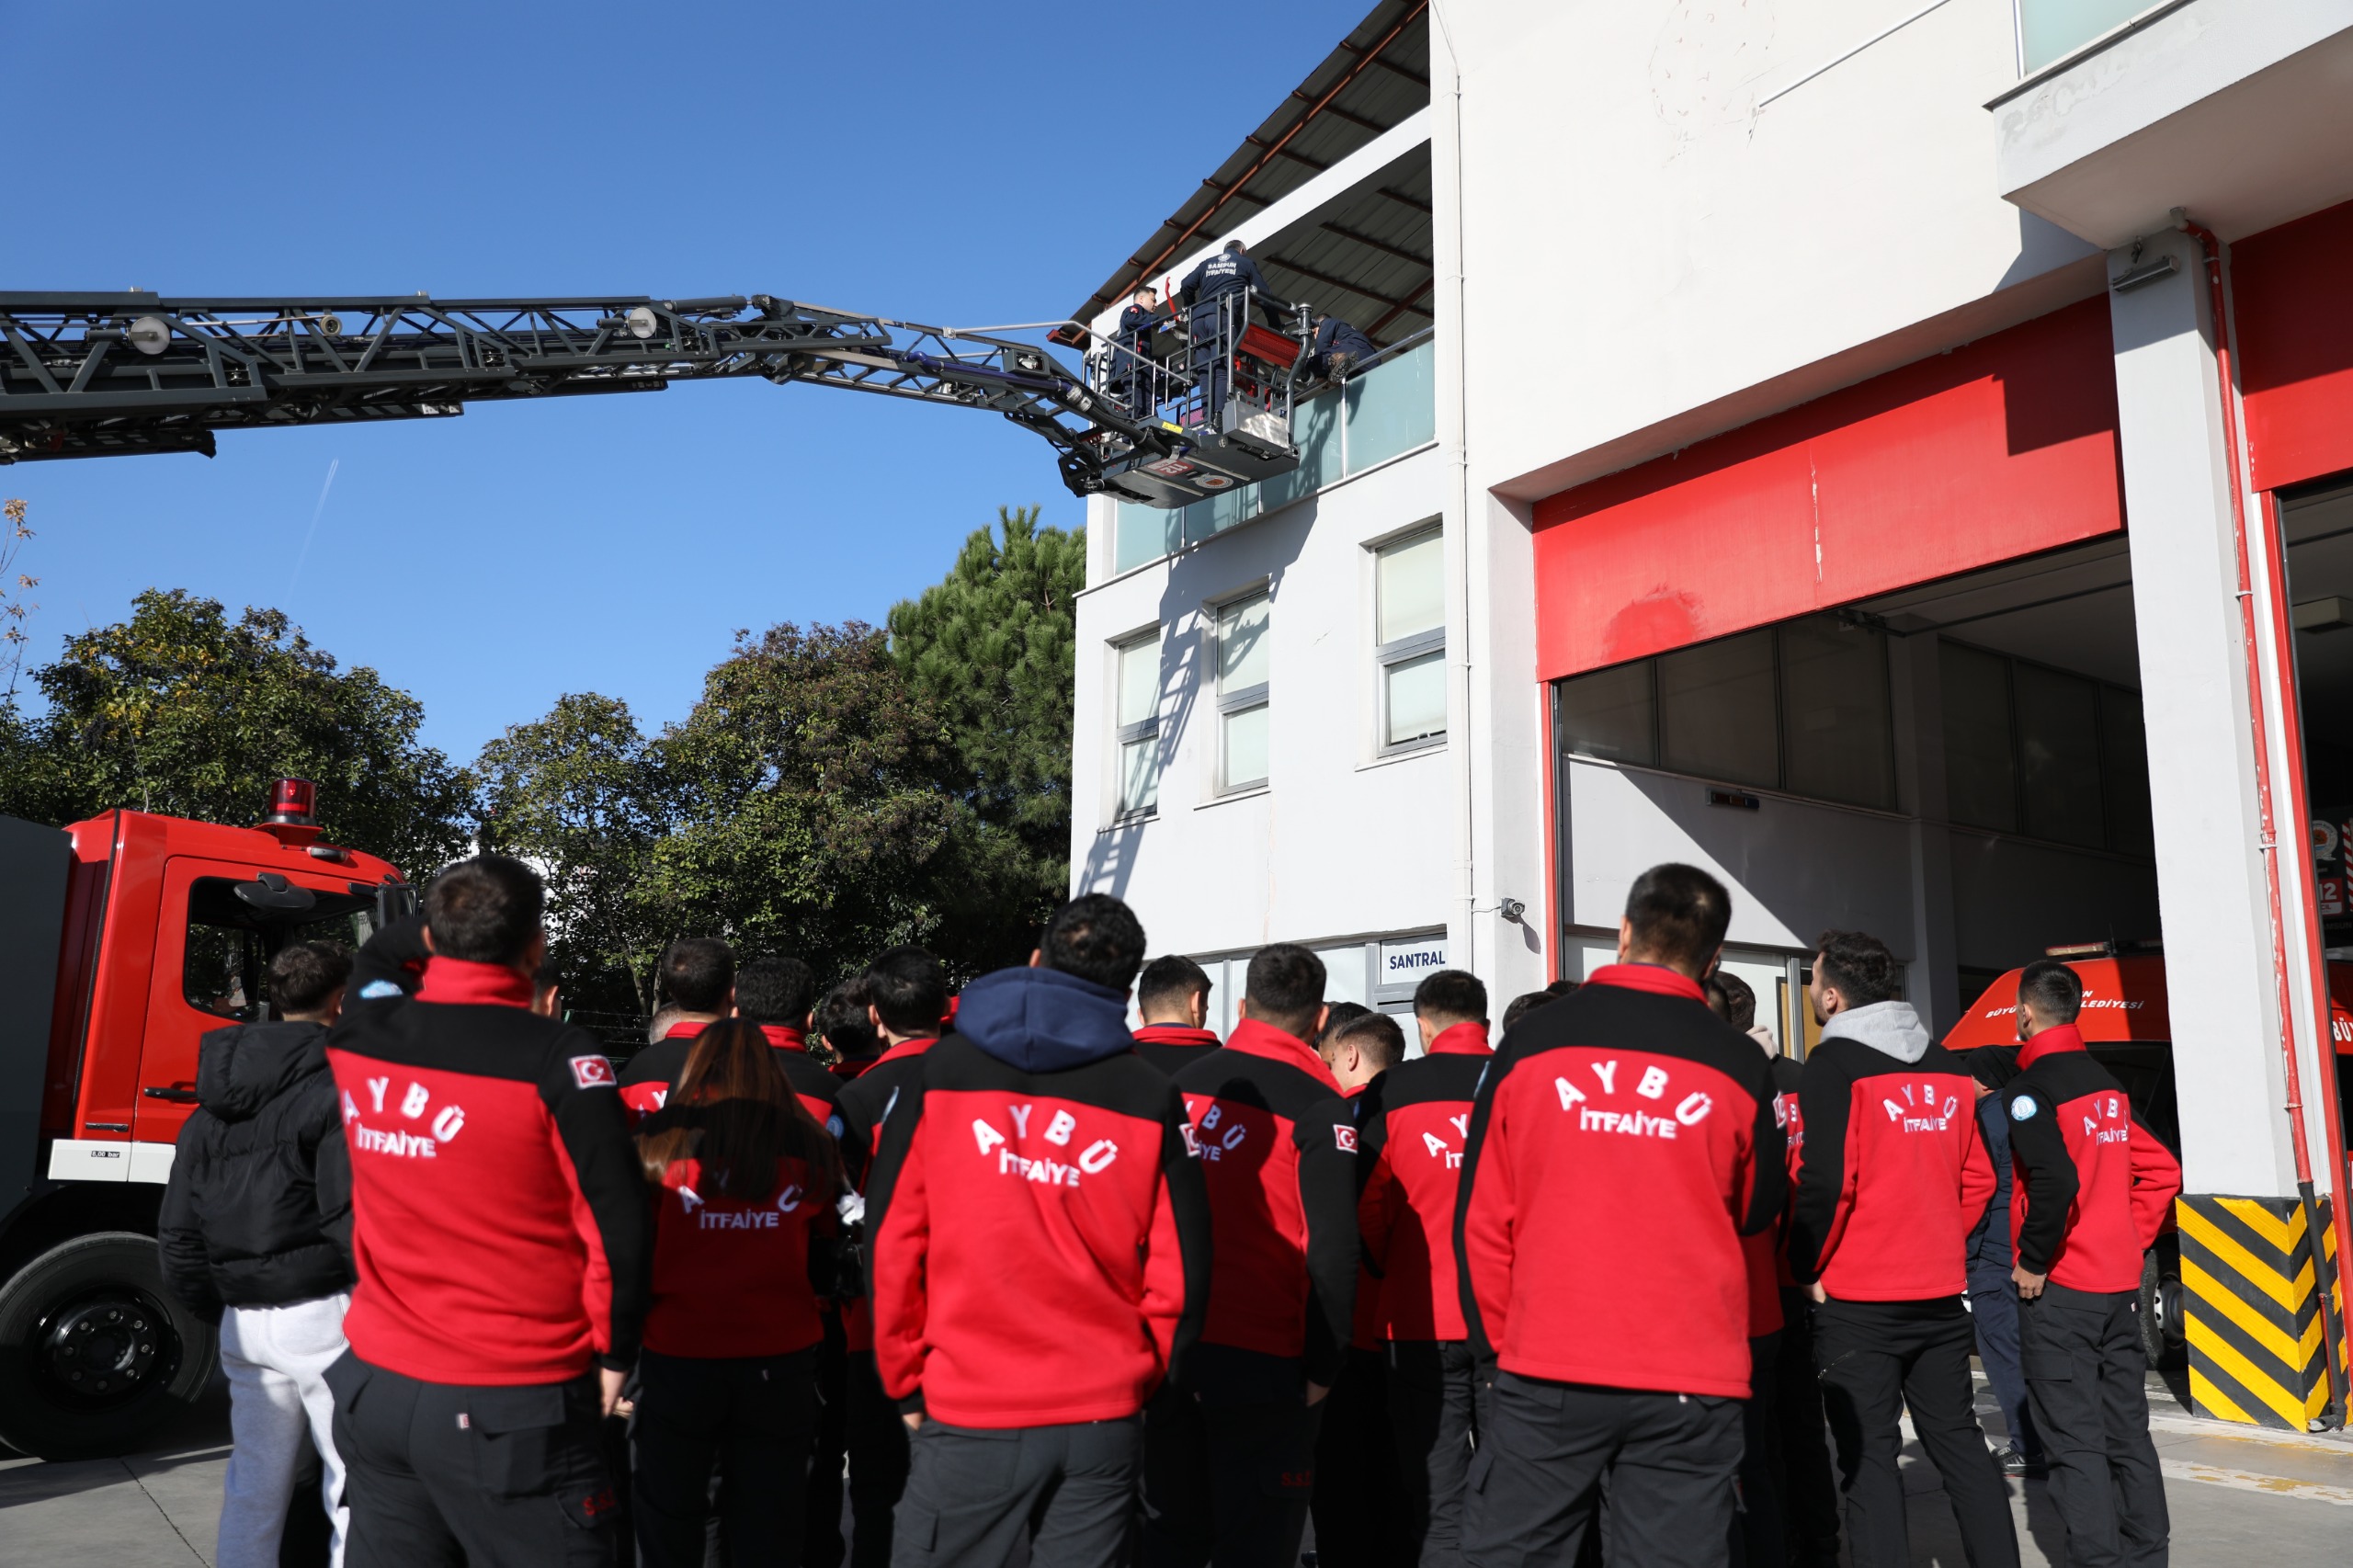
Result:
pixel 98 375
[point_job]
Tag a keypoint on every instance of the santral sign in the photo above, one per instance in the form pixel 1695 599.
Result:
pixel 1404 962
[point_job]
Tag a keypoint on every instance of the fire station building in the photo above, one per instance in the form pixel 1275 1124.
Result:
pixel 1898 457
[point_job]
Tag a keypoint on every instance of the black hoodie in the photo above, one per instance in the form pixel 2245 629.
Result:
pixel 258 1210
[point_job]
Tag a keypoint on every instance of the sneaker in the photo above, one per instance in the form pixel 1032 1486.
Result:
pixel 2021 1465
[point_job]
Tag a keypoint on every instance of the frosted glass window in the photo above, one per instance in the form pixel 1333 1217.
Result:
pixel 1140 533
pixel 1392 408
pixel 1245 746
pixel 1244 657
pixel 1138 681
pixel 1835 713
pixel 1981 774
pixel 2052 29
pixel 1409 589
pixel 1315 426
pixel 1139 776
pixel 1415 700
pixel 2059 785
pixel 1609 714
pixel 1715 705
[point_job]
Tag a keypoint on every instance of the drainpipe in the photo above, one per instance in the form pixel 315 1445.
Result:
pixel 2282 652
pixel 1458 649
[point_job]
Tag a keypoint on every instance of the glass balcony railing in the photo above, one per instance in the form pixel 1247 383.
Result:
pixel 2052 29
pixel 1387 410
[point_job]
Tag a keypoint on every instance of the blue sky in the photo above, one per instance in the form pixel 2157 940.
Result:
pixel 956 164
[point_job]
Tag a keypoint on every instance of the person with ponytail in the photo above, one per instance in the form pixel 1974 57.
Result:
pixel 744 1182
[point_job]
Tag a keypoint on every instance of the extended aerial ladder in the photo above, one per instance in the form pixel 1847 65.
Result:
pixel 103 375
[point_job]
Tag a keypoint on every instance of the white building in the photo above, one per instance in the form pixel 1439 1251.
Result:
pixel 1790 375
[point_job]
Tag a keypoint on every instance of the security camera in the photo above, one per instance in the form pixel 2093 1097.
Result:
pixel 1511 909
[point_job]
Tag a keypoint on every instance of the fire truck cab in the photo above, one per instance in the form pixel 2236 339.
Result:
pixel 124 939
pixel 2126 1025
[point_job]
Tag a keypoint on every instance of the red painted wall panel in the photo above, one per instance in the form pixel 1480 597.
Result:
pixel 2292 303
pixel 1997 449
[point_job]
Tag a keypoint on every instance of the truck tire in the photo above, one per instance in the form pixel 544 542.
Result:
pixel 2163 1332
pixel 95 1353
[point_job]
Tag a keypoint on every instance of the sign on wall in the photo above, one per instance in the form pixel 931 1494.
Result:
pixel 1407 960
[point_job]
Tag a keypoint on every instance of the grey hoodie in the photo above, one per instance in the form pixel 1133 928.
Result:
pixel 1891 1028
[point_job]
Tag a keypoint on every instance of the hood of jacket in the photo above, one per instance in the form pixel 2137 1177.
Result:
pixel 243 1068
pixel 1042 1021
pixel 1890 1027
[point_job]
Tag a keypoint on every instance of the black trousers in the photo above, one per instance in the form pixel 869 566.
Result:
pixel 1809 1490
pixel 2085 1375
pixel 1993 1314
pixel 1548 1449
pixel 440 1475
pixel 1758 1536
pixel 755 1418
pixel 1355 1506
pixel 878 1463
pixel 973 1495
pixel 1879 1359
pixel 1434 1418
pixel 1226 1481
pixel 821 1531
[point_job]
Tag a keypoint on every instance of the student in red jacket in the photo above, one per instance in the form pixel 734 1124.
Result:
pixel 743 1184
pixel 1411 1152
pixel 1895 1176
pixel 1040 1257
pixel 500 1236
pixel 1173 999
pixel 1231 1455
pixel 905 993
pixel 697 973
pixel 2091 1191
pixel 840 1021
pixel 1621 1144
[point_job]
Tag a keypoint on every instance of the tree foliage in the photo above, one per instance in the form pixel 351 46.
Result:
pixel 180 710
pixel 993 647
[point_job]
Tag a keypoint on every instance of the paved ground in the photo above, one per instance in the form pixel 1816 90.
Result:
pixel 2238 1500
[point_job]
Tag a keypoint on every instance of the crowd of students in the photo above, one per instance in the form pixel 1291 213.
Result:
pixel 1611 1289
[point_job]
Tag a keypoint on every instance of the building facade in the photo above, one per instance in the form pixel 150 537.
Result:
pixel 1898 456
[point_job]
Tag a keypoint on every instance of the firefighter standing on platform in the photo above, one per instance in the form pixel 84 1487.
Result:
pixel 1206 289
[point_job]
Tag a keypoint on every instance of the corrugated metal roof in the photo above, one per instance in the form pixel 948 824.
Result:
pixel 1363 263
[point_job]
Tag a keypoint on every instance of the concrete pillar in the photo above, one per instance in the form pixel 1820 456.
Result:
pixel 1932 982
pixel 2210 885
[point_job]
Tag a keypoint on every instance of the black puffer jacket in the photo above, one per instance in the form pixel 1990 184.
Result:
pixel 258 1212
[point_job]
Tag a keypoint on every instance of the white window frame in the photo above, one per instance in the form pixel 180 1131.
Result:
pixel 1404 649
pixel 1125 735
pixel 1243 698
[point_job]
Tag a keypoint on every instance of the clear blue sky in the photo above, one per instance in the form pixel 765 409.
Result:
pixel 955 164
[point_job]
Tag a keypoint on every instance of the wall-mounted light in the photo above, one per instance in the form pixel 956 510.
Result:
pixel 2148 272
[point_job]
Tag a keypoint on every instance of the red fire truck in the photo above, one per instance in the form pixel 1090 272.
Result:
pixel 123 940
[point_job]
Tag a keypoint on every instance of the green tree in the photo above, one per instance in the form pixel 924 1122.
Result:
pixel 180 710
pixel 809 816
pixel 579 793
pixel 993 647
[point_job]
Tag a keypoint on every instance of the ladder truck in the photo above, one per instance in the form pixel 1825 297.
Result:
pixel 126 938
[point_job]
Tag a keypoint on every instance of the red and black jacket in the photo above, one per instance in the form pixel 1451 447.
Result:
pixel 733 1278
pixel 1277 1144
pixel 1768 1251
pixel 1364 1317
pixel 1895 1176
pixel 1040 1237
pixel 1411 1151
pixel 500 1228
pixel 866 1104
pixel 1173 1047
pixel 653 1073
pixel 1622 1142
pixel 2091 1186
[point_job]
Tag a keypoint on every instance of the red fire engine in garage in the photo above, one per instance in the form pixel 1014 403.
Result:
pixel 2127 1026
pixel 123 940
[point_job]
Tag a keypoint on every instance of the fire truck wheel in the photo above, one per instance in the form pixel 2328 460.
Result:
pixel 2164 1337
pixel 95 1353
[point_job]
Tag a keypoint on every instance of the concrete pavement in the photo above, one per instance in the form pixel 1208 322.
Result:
pixel 2239 1499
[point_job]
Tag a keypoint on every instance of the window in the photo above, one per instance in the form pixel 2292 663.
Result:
pixel 1243 662
pixel 1409 638
pixel 2033 750
pixel 224 967
pixel 1136 714
pixel 1804 706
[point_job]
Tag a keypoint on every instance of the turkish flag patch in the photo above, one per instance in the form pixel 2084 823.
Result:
pixel 592 1072
pixel 1343 1138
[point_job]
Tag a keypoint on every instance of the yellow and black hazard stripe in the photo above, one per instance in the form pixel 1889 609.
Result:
pixel 2251 1311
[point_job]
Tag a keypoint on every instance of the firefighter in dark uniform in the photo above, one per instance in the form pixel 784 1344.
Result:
pixel 1132 362
pixel 1204 291
pixel 1339 349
